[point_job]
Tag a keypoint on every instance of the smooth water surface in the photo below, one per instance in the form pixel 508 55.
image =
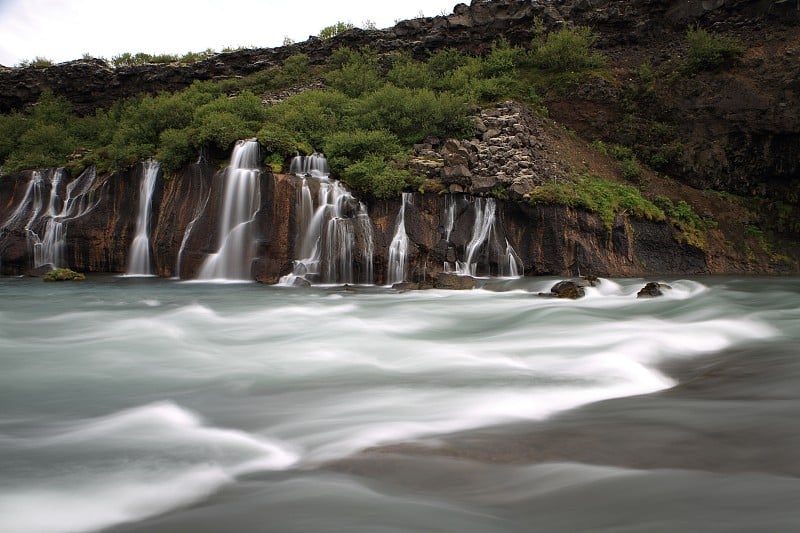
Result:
pixel 156 405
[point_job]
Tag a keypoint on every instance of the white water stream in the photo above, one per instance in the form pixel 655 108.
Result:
pixel 139 259
pixel 241 201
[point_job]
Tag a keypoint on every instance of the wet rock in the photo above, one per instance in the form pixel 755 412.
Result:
pixel 571 289
pixel 64 274
pixel 652 290
pixel 300 282
pixel 404 286
pixel 454 282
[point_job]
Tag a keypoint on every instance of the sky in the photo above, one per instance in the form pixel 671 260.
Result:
pixel 63 30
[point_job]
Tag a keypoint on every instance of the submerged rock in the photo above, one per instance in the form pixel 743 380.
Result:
pixel 406 286
pixel 652 290
pixel 454 282
pixel 64 274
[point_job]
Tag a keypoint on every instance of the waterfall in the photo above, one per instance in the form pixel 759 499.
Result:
pixel 449 216
pixel 314 165
pixel 398 249
pixel 512 266
pixel 139 263
pixel 241 200
pixel 481 231
pixel 198 212
pixel 45 214
pixel 328 235
pixel 364 225
pixel 485 242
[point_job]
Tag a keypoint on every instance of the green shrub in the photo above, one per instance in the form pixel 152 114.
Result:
pixel 373 175
pixel 708 51
pixel 407 72
pixel 568 49
pixel 414 114
pixel 356 72
pixel 631 170
pixel 36 62
pixel 344 148
pixel 335 29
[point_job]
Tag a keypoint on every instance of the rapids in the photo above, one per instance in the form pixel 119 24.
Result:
pixel 143 404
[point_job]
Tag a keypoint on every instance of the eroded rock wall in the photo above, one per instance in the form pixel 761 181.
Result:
pixel 547 240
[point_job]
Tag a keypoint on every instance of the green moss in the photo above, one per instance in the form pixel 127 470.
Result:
pixel 64 274
pixel 599 196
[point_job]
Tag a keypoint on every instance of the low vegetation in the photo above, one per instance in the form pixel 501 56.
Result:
pixel 366 120
pixel 594 194
pixel 708 51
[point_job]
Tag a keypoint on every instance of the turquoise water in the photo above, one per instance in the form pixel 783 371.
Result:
pixel 156 405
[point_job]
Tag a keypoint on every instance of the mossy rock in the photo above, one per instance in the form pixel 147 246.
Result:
pixel 64 274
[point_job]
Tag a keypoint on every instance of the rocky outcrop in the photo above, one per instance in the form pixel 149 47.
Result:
pixel 511 153
pixel 93 83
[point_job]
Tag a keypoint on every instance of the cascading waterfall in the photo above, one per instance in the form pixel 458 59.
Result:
pixel 485 210
pixel 314 165
pixel 328 235
pixel 45 223
pixel 398 249
pixel 200 208
pixel 512 265
pixel 449 216
pixel 241 200
pixel 139 262
pixel 485 243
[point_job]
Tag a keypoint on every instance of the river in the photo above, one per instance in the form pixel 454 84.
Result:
pixel 152 405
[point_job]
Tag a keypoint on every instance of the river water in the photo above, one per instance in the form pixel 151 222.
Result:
pixel 149 405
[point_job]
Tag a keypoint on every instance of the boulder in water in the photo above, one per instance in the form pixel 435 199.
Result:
pixel 568 289
pixel 454 282
pixel 406 286
pixel 652 290
pixel 64 274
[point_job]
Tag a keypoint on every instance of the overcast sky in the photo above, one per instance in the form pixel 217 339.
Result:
pixel 62 30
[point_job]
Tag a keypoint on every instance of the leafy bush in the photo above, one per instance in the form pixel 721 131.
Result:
pixel 568 49
pixel 356 71
pixel 344 148
pixel 335 29
pixel 414 114
pixel 372 174
pixel 708 51
pixel 36 62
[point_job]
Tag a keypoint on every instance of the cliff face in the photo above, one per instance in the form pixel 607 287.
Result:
pixel 735 129
pixel 97 217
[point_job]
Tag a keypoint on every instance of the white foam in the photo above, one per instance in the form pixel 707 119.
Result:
pixel 105 501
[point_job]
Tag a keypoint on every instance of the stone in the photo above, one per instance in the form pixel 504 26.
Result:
pixel 653 290
pixel 454 282
pixel 568 289
pixel 453 173
pixel 404 286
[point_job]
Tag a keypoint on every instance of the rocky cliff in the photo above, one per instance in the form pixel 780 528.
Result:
pixel 96 237
pixel 735 130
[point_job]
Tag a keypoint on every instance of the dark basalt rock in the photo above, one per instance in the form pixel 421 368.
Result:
pixel 454 282
pixel 652 290
pixel 572 289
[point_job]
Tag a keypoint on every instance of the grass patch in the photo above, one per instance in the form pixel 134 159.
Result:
pixel 594 194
